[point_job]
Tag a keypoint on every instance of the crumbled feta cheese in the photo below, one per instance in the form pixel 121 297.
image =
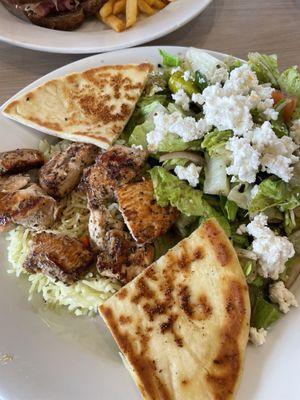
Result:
pixel 258 336
pixel 245 159
pixel 185 127
pixel 197 98
pixel 272 251
pixel 229 107
pixel 137 147
pixel 241 229
pixel 280 295
pixel 226 111
pixel 276 153
pixel 174 70
pixel 295 131
pixel 182 99
pixel 190 173
pixel 187 75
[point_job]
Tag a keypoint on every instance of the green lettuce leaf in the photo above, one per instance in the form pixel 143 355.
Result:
pixel 230 209
pixel 169 189
pixel 273 192
pixel 214 142
pixel 263 313
pixel 265 67
pixel 139 134
pixel 290 82
pixel 169 60
pixel 289 222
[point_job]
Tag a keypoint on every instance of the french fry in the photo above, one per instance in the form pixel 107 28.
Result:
pixel 119 7
pixel 131 12
pixel 158 4
pixel 115 23
pixel 145 8
pixel 149 2
pixel 107 9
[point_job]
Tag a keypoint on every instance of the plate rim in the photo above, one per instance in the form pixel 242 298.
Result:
pixel 108 48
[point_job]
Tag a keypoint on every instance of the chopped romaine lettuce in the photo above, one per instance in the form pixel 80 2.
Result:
pixel 169 189
pixel 263 313
pixel 216 179
pixel 274 192
pixel 201 81
pixel 214 142
pixel 139 134
pixel 230 209
pixel 169 60
pixel 289 222
pixel 290 82
pixel 265 67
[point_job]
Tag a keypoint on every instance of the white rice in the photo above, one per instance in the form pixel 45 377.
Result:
pixel 82 297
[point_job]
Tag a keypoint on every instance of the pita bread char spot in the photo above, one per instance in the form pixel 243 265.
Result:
pixel 183 323
pixel 222 252
pixel 92 106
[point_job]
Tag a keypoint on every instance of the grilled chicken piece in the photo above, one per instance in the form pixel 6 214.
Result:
pixel 145 219
pixel 11 183
pixel 103 219
pixel 121 259
pixel 114 168
pixel 62 172
pixel 20 160
pixel 58 256
pixel 29 207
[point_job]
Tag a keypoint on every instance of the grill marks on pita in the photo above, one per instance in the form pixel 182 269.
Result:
pixel 91 106
pixel 183 323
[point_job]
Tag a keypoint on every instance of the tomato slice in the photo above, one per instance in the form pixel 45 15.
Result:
pixel 290 106
pixel 85 241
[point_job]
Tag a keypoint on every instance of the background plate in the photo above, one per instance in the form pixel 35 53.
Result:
pixel 59 357
pixel 93 36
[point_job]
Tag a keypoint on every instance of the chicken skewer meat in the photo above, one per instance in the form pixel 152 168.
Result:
pixel 20 160
pixel 29 207
pixel 63 171
pixel 11 183
pixel 58 256
pixel 118 255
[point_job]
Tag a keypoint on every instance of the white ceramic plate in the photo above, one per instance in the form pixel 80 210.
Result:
pixel 59 357
pixel 93 36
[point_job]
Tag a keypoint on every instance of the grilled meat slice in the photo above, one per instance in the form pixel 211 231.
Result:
pixel 62 172
pixel 58 256
pixel 103 219
pixel 112 169
pixel 145 219
pixel 120 258
pixel 29 207
pixel 20 160
pixel 11 183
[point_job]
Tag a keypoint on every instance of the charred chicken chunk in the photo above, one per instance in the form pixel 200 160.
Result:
pixel 20 160
pixel 145 219
pixel 11 183
pixel 58 256
pixel 112 169
pixel 121 258
pixel 63 171
pixel 29 207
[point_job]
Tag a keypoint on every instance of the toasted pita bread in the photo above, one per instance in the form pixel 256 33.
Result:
pixel 145 219
pixel 183 323
pixel 91 106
